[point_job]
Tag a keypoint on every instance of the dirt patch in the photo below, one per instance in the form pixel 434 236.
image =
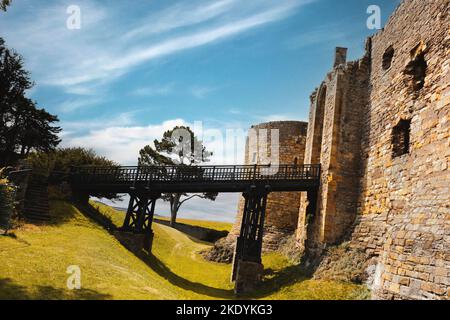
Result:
pixel 222 251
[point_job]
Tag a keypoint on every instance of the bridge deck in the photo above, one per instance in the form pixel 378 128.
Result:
pixel 193 179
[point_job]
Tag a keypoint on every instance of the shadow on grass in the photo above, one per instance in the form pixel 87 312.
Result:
pixel 12 291
pixel 196 233
pixel 273 280
pixel 61 212
pixel 95 214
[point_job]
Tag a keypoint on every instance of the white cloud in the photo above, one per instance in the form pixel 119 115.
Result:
pixel 120 143
pixel 117 139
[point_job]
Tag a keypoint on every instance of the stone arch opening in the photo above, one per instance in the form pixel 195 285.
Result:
pixel 318 124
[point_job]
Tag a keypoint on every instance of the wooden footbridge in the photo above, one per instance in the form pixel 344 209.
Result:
pixel 145 184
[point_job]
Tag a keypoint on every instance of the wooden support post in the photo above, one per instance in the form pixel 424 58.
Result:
pixel 139 217
pixel 247 266
pixel 140 213
pixel 131 216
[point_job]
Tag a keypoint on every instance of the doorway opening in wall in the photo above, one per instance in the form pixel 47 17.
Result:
pixel 401 138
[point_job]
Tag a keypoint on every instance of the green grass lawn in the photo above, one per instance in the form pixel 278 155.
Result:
pixel 33 266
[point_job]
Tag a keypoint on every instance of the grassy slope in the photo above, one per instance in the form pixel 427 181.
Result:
pixel 34 266
pixel 219 226
pixel 117 217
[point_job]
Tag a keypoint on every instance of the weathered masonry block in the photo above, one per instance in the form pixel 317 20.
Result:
pixel 340 57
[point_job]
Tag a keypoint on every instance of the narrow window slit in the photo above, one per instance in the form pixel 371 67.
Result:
pixel 401 138
pixel 387 58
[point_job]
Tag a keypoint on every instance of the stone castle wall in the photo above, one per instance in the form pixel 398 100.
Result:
pixel 380 128
pixel 282 207
pixel 404 214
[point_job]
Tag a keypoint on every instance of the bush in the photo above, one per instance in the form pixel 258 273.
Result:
pixel 6 204
pixel 61 160
pixel 56 165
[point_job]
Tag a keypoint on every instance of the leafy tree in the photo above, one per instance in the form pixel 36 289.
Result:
pixel 181 147
pixel 23 127
pixel 4 4
pixel 61 160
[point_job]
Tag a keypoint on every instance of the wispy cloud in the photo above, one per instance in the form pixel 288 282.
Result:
pixel 201 92
pixel 72 105
pixel 156 90
pixel 315 36
pixel 280 117
pixel 201 38
pixel 180 15
pixel 122 119
pixel 103 51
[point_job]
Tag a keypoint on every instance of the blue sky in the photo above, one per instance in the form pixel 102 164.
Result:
pixel 137 68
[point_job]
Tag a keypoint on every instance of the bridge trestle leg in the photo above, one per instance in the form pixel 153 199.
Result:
pixel 247 266
pixel 139 217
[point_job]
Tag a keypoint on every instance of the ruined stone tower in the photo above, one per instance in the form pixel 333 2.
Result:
pixel 282 208
pixel 380 127
pixel 334 141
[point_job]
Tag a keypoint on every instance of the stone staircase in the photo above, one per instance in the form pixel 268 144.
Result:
pixel 36 208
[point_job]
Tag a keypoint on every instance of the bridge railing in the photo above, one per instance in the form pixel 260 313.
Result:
pixel 177 174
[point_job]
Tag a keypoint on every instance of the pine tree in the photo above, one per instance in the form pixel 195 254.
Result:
pixel 23 127
pixel 4 4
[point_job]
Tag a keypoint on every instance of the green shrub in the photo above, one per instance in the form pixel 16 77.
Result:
pixel 6 204
pixel 62 159
pixel 55 166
